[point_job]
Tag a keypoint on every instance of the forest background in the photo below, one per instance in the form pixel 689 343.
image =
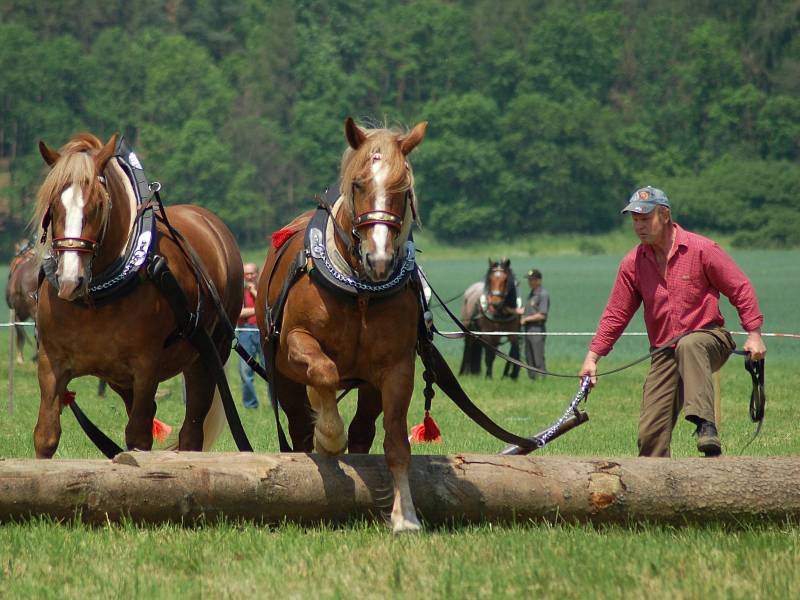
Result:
pixel 544 114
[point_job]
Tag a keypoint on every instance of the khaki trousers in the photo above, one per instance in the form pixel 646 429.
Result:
pixel 681 378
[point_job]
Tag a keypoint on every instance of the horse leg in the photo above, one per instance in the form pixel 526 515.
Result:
pixel 467 358
pixel 200 385
pixel 139 430
pixel 515 353
pixel 361 433
pixel 304 353
pixel 21 339
pixel 294 402
pixel 52 385
pixel 329 435
pixel 396 393
pixel 489 361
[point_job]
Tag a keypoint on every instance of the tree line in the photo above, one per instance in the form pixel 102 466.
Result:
pixel 544 114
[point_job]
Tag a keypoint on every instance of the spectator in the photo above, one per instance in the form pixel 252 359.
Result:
pixel 249 336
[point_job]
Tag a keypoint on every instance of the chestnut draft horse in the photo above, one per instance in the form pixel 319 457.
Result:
pixel 21 293
pixel 365 334
pixel 87 209
pixel 491 305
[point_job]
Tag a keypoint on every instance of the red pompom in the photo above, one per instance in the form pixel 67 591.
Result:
pixel 160 430
pixel 67 398
pixel 279 237
pixel 427 431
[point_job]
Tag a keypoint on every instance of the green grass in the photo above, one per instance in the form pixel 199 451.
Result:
pixel 47 560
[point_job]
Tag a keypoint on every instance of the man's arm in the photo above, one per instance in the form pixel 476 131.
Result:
pixel 726 276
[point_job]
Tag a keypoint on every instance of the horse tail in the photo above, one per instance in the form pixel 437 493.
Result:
pixel 212 426
pixel 214 423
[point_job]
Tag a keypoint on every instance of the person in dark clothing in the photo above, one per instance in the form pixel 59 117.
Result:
pixel 534 317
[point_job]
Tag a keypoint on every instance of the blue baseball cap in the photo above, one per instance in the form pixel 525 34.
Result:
pixel 645 199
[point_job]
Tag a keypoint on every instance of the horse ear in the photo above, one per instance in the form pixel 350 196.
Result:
pixel 49 155
pixel 105 154
pixel 507 263
pixel 412 140
pixel 490 261
pixel 355 136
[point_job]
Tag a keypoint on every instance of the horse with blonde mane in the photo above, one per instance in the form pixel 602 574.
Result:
pixel 342 309
pixel 123 330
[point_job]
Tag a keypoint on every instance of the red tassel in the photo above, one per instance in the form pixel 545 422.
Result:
pixel 279 237
pixel 160 430
pixel 427 431
pixel 67 398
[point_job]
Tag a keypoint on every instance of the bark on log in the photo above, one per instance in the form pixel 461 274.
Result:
pixel 187 487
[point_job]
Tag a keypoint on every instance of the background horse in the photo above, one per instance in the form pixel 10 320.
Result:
pixel 328 339
pixel 20 293
pixel 128 340
pixel 491 305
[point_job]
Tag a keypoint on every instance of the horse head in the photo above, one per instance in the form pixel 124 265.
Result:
pixel 378 183
pixel 499 283
pixel 73 207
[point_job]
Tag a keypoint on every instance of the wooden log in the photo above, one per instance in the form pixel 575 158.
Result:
pixel 187 487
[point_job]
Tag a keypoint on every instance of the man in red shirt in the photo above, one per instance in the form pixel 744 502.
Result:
pixel 248 335
pixel 678 276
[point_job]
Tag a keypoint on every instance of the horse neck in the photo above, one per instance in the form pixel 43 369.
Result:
pixel 115 237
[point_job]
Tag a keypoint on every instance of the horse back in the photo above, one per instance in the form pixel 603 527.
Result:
pixel 215 246
pixel 21 286
pixel 470 307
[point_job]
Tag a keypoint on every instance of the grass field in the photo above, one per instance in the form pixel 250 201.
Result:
pixel 48 560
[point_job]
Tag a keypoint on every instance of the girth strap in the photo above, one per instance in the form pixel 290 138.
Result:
pixel 165 281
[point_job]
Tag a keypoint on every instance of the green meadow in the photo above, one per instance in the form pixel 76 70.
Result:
pixel 44 559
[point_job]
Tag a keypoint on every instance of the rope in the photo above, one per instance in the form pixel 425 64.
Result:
pixel 493 333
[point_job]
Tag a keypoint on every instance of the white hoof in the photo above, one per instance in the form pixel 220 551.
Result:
pixel 405 526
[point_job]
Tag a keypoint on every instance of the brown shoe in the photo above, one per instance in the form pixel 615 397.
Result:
pixel 708 439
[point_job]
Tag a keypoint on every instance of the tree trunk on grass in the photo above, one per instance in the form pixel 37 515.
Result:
pixel 187 487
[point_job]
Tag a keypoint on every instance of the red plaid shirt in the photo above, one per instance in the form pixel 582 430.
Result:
pixel 697 271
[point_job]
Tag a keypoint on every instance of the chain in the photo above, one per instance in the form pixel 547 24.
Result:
pixel 408 265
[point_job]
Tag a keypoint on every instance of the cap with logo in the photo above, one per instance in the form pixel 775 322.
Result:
pixel 645 199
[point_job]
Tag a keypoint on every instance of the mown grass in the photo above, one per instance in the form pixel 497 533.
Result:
pixel 43 559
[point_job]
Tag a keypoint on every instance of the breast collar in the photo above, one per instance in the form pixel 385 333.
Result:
pixel 329 266
pixel 121 276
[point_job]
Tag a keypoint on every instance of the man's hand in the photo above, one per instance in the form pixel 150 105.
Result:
pixel 589 367
pixel 755 345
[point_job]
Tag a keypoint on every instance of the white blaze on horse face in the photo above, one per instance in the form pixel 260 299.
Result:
pixel 73 201
pixel 380 233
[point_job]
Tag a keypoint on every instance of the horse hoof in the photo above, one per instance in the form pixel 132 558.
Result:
pixel 405 526
pixel 321 448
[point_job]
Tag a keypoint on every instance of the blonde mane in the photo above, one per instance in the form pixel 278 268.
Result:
pixel 357 164
pixel 74 166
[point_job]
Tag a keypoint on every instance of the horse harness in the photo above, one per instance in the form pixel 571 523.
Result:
pixel 140 263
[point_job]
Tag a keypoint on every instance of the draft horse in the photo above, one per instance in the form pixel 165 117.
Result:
pixel 490 306
pixel 21 293
pixel 352 318
pixel 87 209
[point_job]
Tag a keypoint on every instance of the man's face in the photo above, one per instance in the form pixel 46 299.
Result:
pixel 650 226
pixel 250 274
pixel 534 282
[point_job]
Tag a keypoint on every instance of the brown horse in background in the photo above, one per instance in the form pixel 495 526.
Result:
pixel 21 293
pixel 491 306
pixel 327 339
pixel 87 209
